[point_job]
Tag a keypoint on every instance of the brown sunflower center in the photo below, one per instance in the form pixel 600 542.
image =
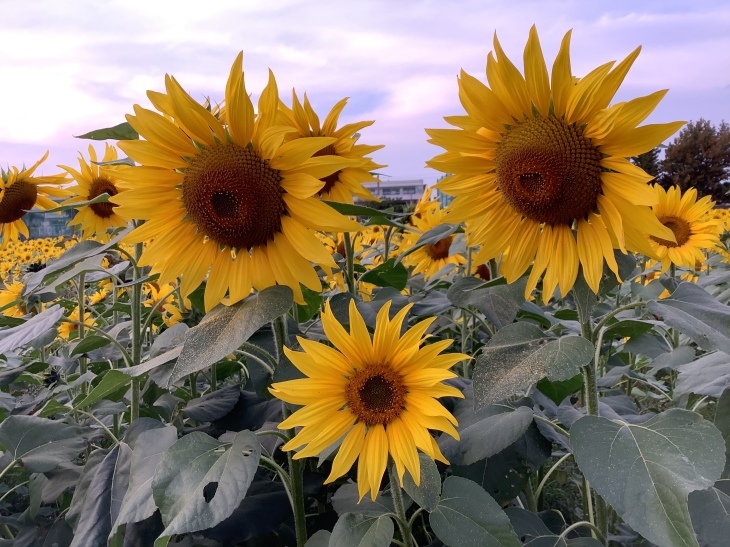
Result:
pixel 548 170
pixel 329 180
pixel 440 249
pixel 681 228
pixel 17 200
pixel 99 186
pixel 483 272
pixel 233 196
pixel 376 395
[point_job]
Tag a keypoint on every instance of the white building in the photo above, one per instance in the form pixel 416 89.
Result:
pixel 409 191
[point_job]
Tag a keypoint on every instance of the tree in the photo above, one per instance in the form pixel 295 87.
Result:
pixel 699 157
pixel 648 161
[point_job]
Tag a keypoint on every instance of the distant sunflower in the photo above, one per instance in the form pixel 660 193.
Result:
pixel 539 166
pixel 20 191
pixel 93 180
pixel 344 183
pixel 693 231
pixel 12 303
pixel 376 394
pixel 233 199
pixel 67 328
pixel 432 258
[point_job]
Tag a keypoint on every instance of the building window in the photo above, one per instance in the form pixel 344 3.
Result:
pixel 391 191
pixel 409 190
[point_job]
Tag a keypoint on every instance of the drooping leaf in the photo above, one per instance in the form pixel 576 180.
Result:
pixel 35 327
pixel 101 198
pixel 199 481
pixel 138 503
pixel 710 512
pixel 119 132
pixel 627 328
pixel 646 471
pixel 313 302
pixel 428 492
pixel 213 406
pixel 521 354
pixel 354 529
pixel 376 216
pixel 103 498
pixel 89 343
pixel 39 443
pixel 498 301
pixel 347 500
pixel 467 515
pixel 112 381
pixel 225 328
pixel 486 433
pixel 708 375
pixel 694 312
pixel 557 391
pixel 387 274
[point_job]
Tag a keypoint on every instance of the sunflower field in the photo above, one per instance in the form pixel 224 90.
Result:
pixel 239 346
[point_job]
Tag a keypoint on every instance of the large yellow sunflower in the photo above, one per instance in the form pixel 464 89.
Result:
pixel 233 199
pixel 693 230
pixel 345 183
pixel 92 180
pixel 539 166
pixel 20 191
pixel 376 394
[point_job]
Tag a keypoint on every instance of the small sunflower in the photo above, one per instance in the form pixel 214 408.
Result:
pixel 92 180
pixel 20 192
pixel 12 303
pixel 376 394
pixel 345 183
pixel 694 231
pixel 67 328
pixel 234 199
pixel 432 258
pixel 539 166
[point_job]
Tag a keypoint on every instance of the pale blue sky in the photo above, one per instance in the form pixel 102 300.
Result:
pixel 69 67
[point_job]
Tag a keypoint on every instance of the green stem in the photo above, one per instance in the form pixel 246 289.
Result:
pixel 400 511
pixel 8 468
pixel 587 524
pixel 614 313
pixel 296 474
pixel 544 480
pixel 136 312
pixel 530 500
pixel 350 262
pixel 81 304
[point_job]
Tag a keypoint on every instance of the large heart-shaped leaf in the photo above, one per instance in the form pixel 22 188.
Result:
pixel 521 354
pixel 200 481
pixel 35 327
pixel 353 530
pixel 500 302
pixel 710 512
pixel 428 492
pixel 225 328
pixel 467 515
pixel 39 443
pixel 646 471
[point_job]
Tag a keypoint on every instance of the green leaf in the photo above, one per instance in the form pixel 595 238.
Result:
pixel 627 328
pixel 387 274
pixel 321 538
pixel 697 314
pixel 500 302
pixel 647 471
pixel 225 328
pixel 710 512
pixel 39 443
pixel 90 343
pixel 35 327
pixel 347 500
pixel 376 216
pixel 120 132
pixel 708 375
pixel 51 408
pixel 103 498
pixel 558 391
pixel 430 237
pixel 313 301
pixel 101 198
pixel 138 503
pixel 467 515
pixel 486 433
pixel 200 481
pixel 428 493
pixel 519 355
pixel 722 423
pixel 358 530
pixel 111 382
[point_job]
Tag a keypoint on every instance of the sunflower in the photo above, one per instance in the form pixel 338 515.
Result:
pixel 539 167
pixel 234 199
pixel 67 328
pixel 376 394
pixel 694 231
pixel 432 258
pixel 92 180
pixel 12 303
pixel 345 183
pixel 20 191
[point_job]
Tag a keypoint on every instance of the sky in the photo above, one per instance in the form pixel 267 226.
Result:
pixel 70 67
